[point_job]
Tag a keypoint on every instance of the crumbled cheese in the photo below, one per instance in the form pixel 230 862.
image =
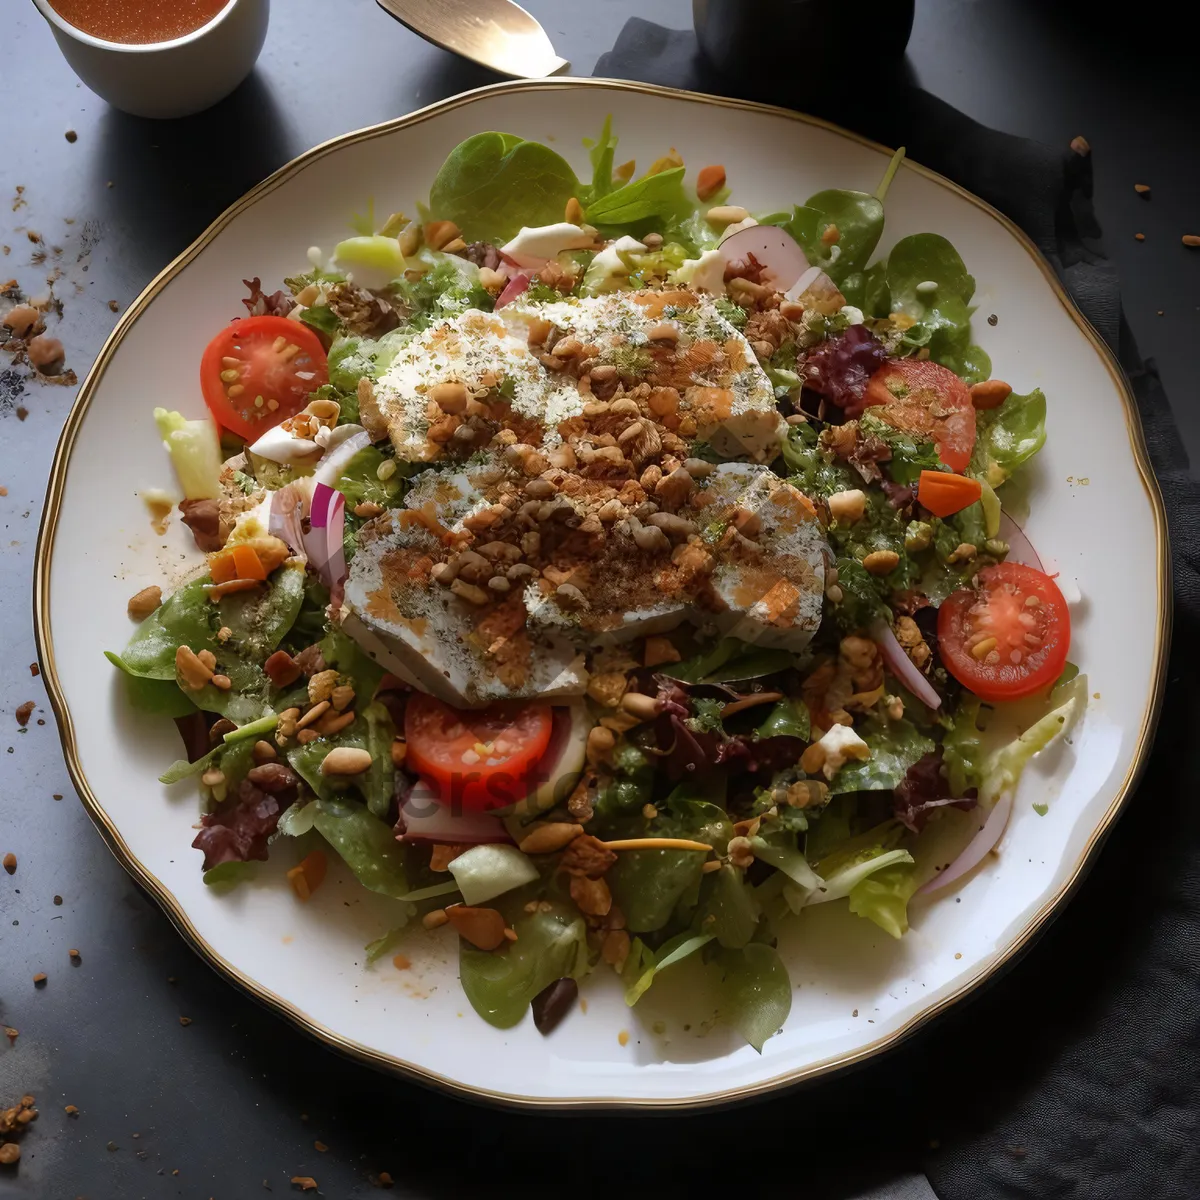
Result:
pixel 704 274
pixel 840 744
pixel 852 314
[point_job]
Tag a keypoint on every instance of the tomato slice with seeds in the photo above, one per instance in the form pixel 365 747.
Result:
pixel 1008 636
pixel 259 371
pixel 926 398
pixel 477 759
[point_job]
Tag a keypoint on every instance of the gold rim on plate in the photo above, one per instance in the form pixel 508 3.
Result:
pixel 386 1062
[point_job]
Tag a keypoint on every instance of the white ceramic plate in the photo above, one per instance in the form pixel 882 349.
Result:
pixel 1095 512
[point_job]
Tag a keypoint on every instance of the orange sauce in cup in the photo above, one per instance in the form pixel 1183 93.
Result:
pixel 138 22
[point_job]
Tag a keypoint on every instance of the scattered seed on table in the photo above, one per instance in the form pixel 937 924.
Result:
pixel 25 711
pixel 306 1183
pixel 74 954
pixel 71 1110
pixel 320 1147
pixel 185 1020
pixel 10 863
pixel 1139 237
pixel 71 136
pixel 12 1034
pixel 1191 239
pixel 57 796
pixel 39 979
pixel 111 1147
pixel 57 899
pixel 34 669
pixel 1142 189
pixel 385 1180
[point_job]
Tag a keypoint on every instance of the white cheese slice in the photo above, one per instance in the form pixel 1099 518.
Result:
pixel 533 246
pixel 704 274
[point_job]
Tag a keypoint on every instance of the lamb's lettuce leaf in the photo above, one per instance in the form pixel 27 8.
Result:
pixel 1007 436
pixel 755 991
pixel 550 945
pixel 494 183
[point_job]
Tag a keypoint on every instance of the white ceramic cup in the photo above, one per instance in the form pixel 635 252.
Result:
pixel 167 79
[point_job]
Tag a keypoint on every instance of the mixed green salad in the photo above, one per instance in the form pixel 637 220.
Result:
pixel 606 574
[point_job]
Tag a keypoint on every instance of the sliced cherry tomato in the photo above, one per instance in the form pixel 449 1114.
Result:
pixel 477 759
pixel 1008 637
pixel 259 371
pixel 924 397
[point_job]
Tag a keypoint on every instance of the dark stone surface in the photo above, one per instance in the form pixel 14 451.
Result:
pixel 235 1101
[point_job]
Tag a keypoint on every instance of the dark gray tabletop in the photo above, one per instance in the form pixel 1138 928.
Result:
pixel 236 1102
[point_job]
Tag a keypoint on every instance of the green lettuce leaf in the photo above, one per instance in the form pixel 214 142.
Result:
pixel 601 153
pixel 728 909
pixel 962 747
pixel 643 964
pixel 895 746
pixel 730 659
pixel 942 315
pixel 1008 436
pixel 378 783
pixel 500 984
pixel 449 288
pixel 658 197
pixel 162 697
pixel 1002 770
pixel 649 884
pixel 755 991
pixel 848 864
pixel 494 183
pixel 778 848
pixel 183 619
pixel 360 482
pixel 883 897
pixel 260 619
pixel 787 718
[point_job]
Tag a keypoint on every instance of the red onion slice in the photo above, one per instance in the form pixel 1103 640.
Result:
pixel 512 289
pixel 323 542
pixel 902 666
pixel 286 514
pixel 427 819
pixel 977 848
pixel 1020 548
pixel 774 248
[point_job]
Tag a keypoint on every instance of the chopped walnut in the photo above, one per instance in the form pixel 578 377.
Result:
pixel 587 856
pixel 908 634
pixel 310 660
pixel 592 895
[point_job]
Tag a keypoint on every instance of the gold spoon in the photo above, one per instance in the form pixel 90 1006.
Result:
pixel 494 33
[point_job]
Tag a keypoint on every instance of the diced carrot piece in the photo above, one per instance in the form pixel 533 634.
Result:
pixel 221 566
pixel 710 181
pixel 945 494
pixel 308 875
pixel 247 562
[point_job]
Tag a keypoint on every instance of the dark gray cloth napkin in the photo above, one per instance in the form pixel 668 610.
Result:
pixel 1078 1073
